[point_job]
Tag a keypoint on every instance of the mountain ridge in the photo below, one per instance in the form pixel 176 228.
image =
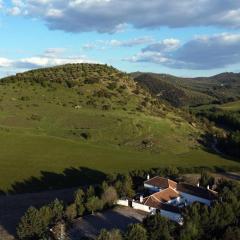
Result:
pixel 223 87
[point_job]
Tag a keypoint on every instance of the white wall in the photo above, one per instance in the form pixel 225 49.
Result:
pixel 142 207
pixel 122 202
pixel 172 216
pixel 190 199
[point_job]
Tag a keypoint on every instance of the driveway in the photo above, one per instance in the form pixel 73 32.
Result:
pixel 91 225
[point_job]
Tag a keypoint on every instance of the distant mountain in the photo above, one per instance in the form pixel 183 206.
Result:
pixel 179 91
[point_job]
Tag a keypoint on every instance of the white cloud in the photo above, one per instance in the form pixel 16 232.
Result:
pixel 14 11
pixel 114 15
pixel 165 45
pixel 101 44
pixel 200 53
pixel 153 57
pixel 55 13
pixel 4 62
pixel 51 57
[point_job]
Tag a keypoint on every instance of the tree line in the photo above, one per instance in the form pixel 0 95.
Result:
pixel 39 223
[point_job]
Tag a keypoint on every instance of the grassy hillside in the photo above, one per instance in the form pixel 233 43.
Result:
pixel 231 106
pixel 180 91
pixel 90 116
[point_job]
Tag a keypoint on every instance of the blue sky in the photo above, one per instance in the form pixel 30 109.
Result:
pixel 184 38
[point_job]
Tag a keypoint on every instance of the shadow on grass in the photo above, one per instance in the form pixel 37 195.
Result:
pixel 41 191
pixel 70 177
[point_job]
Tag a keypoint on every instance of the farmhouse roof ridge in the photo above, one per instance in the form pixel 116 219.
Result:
pixel 161 182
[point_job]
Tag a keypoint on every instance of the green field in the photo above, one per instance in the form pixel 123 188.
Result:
pixel 53 128
pixel 232 106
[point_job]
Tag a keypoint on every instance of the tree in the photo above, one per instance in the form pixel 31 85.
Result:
pixel 172 172
pixel 109 196
pixel 59 231
pixel 206 179
pixel 124 186
pixel 93 204
pixel 71 212
pixel 114 234
pixel 57 210
pixel 79 201
pixel 31 225
pixel 158 227
pixel 136 232
pixel 232 233
pixel 90 192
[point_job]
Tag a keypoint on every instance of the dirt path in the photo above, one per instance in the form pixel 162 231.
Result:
pixel 13 207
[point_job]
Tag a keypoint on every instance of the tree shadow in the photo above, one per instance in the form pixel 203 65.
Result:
pixel 91 225
pixel 41 191
pixel 70 177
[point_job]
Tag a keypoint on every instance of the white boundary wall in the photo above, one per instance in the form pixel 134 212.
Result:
pixel 142 207
pixel 122 202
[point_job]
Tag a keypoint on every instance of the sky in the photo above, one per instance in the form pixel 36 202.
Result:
pixel 183 38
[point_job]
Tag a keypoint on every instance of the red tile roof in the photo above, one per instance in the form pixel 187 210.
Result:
pixel 161 197
pixel 166 195
pixel 151 201
pixel 161 182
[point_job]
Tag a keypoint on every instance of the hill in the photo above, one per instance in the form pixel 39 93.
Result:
pixel 92 117
pixel 220 88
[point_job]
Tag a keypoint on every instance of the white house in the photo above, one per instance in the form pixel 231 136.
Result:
pixel 163 202
pixel 169 197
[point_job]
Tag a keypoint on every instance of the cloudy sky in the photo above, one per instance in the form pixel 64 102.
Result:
pixel 185 38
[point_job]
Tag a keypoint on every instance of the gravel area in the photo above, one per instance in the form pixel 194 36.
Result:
pixel 118 217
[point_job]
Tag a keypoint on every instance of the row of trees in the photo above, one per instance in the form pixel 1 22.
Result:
pixel 38 223
pixel 218 222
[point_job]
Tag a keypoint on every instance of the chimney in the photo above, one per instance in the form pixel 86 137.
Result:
pixel 198 184
pixel 148 177
pixel 141 199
